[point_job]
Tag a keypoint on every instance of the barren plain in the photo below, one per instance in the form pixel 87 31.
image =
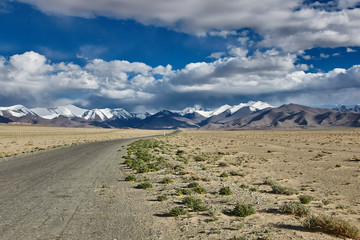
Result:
pixel 322 166
pixel 16 139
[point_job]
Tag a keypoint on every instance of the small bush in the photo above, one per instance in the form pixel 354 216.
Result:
pixel 182 191
pixel 193 185
pixel 305 199
pixel 283 190
pixel 243 210
pixel 200 158
pixel 243 186
pixel 162 198
pixel 270 182
pixel 177 211
pixel 224 174
pixel 167 181
pixel 145 185
pixel 195 204
pixel 225 191
pixel 295 208
pixel 223 164
pixel 237 173
pixel 130 178
pixel 331 225
pixel 253 189
pixel 199 190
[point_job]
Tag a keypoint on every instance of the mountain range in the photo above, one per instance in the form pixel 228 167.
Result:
pixel 251 115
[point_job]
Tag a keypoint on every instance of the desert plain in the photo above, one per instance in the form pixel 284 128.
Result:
pixel 323 165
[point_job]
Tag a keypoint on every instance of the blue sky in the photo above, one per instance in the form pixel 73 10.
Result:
pixel 149 55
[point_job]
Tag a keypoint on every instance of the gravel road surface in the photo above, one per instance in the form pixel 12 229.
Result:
pixel 75 192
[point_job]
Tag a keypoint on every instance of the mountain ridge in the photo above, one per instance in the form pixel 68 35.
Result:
pixel 251 115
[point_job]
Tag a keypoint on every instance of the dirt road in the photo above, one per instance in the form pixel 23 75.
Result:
pixel 74 192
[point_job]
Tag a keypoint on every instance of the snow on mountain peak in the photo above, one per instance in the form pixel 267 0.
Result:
pixel 16 110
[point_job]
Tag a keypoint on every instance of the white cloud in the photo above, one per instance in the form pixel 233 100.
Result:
pixel 350 50
pixel 282 23
pixel 31 78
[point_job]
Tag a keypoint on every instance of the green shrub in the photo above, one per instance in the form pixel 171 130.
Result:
pixel 270 182
pixel 195 204
pixel 224 174
pixel 283 190
pixel 237 173
pixel 243 210
pixel 243 186
pixel 130 178
pixel 177 211
pixel 199 190
pixel 162 198
pixel 145 185
pixel 223 164
pixel 331 225
pixel 253 189
pixel 193 185
pixel 167 181
pixel 305 199
pixel 225 191
pixel 295 208
pixel 182 191
pixel 200 158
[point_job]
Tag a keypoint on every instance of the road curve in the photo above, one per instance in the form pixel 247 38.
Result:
pixel 72 193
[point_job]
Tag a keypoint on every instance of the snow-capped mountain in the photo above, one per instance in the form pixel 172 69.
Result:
pixel 66 111
pixel 254 106
pixel 15 111
pixel 344 108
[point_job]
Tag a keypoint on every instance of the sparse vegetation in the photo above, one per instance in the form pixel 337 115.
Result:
pixel 294 208
pixel 243 210
pixel 305 199
pixel 195 204
pixel 145 185
pixel 331 225
pixel 162 198
pixel 178 211
pixel 130 178
pixel 225 191
pixel 167 181
pixel 283 190
pixel 182 191
pixel 224 175
pixel 199 190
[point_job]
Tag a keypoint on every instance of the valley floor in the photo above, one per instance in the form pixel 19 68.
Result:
pixel 323 165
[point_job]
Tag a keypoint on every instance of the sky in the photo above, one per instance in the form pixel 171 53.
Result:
pixel 148 55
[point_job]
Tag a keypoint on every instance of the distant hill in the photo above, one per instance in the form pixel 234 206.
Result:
pixel 251 115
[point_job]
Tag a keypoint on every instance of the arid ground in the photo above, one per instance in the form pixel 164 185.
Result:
pixel 16 139
pixel 322 165
pixel 265 169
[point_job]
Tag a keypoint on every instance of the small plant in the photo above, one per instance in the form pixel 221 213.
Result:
pixel 224 174
pixel 200 158
pixel 162 198
pixel 213 213
pixel 253 189
pixel 182 191
pixel 295 208
pixel 225 191
pixel 237 173
pixel 326 202
pixel 223 164
pixel 193 185
pixel 199 190
pixel 243 186
pixel 167 181
pixel 105 186
pixel 270 182
pixel 177 211
pixel 195 204
pixel 145 185
pixel 243 210
pixel 283 190
pixel 305 199
pixel 130 178
pixel 331 225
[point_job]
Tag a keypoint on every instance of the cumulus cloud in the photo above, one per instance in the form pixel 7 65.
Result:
pixel 271 75
pixel 288 24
